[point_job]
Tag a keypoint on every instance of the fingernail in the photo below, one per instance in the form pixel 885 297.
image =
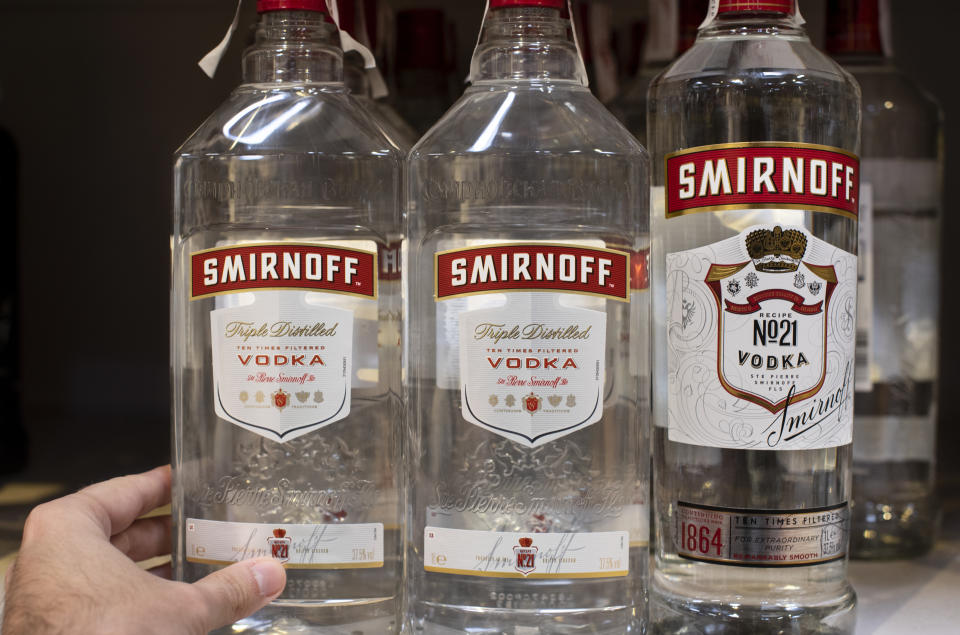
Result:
pixel 269 576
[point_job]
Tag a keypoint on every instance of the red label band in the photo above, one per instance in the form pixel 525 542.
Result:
pixel 763 175
pixel 754 301
pixel 389 259
pixel 533 267
pixel 640 270
pixel 760 6
pixel 283 266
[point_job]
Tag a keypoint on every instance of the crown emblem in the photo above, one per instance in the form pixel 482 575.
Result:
pixel 279 533
pixel 776 251
pixel 526 542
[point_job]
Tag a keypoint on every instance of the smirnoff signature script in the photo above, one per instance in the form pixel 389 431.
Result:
pixel 787 425
pixel 498 332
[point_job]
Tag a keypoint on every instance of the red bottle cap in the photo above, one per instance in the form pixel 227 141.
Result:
pixel 853 26
pixel 263 6
pixel 755 6
pixel 550 4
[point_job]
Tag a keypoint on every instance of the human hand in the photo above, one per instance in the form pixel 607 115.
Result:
pixel 76 571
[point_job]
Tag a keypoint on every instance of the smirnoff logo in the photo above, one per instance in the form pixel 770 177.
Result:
pixel 763 175
pixel 389 261
pixel 260 266
pixel 533 267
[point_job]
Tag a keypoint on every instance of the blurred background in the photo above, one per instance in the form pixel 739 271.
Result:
pixel 96 95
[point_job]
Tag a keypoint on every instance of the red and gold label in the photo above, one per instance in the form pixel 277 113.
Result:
pixel 278 266
pixel 761 538
pixel 762 175
pixel 762 6
pixel 499 268
pixel 530 354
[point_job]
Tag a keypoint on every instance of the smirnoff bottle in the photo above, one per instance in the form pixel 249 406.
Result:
pixel 753 134
pixel 529 470
pixel 284 379
pixel 672 30
pixel 894 514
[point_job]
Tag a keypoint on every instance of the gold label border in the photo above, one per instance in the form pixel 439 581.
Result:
pixel 619 573
pixel 287 565
pixel 826 209
pixel 376 270
pixel 593 294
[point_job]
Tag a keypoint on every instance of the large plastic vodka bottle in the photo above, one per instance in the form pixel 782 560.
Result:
pixel 286 441
pixel 753 134
pixel 529 469
pixel 898 320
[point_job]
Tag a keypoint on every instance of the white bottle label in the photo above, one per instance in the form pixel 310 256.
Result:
pixel 283 332
pixel 308 546
pixel 281 367
pixel 530 363
pixel 500 554
pixel 761 333
pixel 532 370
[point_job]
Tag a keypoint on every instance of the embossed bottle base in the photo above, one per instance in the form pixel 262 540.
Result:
pixel 449 620
pixel 686 614
pixel 528 607
pixel 892 522
pixel 360 617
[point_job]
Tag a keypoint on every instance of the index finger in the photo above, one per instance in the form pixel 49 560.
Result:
pixel 116 503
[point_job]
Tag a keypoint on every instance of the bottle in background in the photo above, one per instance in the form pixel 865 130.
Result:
pixel 424 61
pixel 894 512
pixel 355 20
pixel 672 29
pixel 529 472
pixel 595 32
pixel 286 441
pixel 753 134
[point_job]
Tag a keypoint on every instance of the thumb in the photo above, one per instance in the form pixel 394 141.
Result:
pixel 235 592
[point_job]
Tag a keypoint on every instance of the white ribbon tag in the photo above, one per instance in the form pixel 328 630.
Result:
pixel 584 80
pixel 378 86
pixel 211 60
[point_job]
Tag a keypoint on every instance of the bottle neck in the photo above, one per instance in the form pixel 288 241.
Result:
pixel 673 30
pixel 526 44
pixel 764 7
pixel 754 20
pixel 853 30
pixel 355 75
pixel 294 47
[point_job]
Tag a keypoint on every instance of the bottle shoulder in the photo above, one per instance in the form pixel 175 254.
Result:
pixel 886 88
pixel 284 119
pixel 540 119
pixel 745 61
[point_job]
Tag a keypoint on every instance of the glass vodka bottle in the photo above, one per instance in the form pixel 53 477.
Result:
pixel 754 225
pixel 673 29
pixel 284 382
pixel 527 203
pixel 895 511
